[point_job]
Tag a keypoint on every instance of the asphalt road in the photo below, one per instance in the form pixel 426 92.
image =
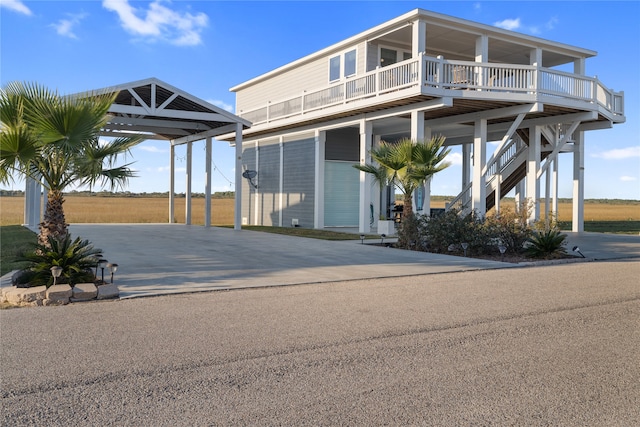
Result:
pixel 554 345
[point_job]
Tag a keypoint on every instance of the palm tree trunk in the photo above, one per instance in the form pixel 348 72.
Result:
pixel 407 209
pixel 54 223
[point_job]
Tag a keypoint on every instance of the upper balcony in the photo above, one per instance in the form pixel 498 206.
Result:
pixel 425 78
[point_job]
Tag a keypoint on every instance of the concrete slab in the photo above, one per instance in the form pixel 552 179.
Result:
pixel 157 259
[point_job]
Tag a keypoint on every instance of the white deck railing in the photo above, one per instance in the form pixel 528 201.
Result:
pixel 427 75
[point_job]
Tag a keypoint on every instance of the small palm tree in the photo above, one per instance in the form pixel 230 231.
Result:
pixel 53 139
pixel 407 165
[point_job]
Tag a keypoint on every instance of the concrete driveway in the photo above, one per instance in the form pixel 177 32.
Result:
pixel 156 259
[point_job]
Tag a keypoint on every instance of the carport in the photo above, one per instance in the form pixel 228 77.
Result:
pixel 159 111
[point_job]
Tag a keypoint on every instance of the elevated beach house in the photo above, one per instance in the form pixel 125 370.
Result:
pixel 419 75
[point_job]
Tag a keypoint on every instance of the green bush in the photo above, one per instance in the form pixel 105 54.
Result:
pixel 446 232
pixel 77 258
pixel 547 244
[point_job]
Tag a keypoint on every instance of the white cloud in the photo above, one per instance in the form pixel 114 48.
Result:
pixel 221 104
pixel 619 153
pixel 628 178
pixel 551 23
pixel 454 158
pixel 64 27
pixel 151 149
pixel 508 24
pixel 159 22
pixel 16 6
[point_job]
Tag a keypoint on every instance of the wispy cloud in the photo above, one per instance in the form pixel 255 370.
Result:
pixel 618 153
pixel 221 104
pixel 158 22
pixel 16 6
pixel 454 158
pixel 64 27
pixel 626 178
pixel 151 149
pixel 508 24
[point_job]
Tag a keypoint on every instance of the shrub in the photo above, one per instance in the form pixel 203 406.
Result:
pixel 77 259
pixel 510 227
pixel 450 229
pixel 408 232
pixel 547 244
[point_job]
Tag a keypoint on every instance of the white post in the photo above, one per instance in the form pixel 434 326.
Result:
pixel 187 200
pixel 482 55
pixel 418 38
pixel 172 183
pixel 320 140
pixel 479 183
pixel 207 184
pixel 237 220
pixel 281 182
pixel 466 171
pixel 256 193
pixel 578 183
pixel 417 134
pixel 366 137
pixel 533 165
pixel 498 180
pixel 554 189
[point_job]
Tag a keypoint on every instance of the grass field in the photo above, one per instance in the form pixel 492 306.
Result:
pixel 599 216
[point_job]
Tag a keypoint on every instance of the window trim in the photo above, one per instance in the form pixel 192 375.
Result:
pixel 342 58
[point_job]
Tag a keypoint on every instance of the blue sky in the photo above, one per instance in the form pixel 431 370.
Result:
pixel 206 47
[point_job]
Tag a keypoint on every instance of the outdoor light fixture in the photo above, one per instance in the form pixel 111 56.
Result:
pixel 113 267
pixel 464 245
pixel 502 249
pixel 98 256
pixel 382 236
pixel 102 264
pixel 577 249
pixel 56 272
pixel 362 239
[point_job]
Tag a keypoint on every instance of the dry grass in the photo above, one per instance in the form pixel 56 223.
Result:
pixel 124 210
pixel 156 210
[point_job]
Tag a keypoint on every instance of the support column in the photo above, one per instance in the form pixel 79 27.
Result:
pixel 482 55
pixel 256 194
pixel 466 172
pixel 237 214
pixel 577 224
pixel 318 217
pixel 187 196
pixel 378 194
pixel 172 183
pixel 418 38
pixel 533 165
pixel 281 182
pixel 417 134
pixel 554 189
pixel 479 183
pixel 366 137
pixel 426 201
pixel 207 184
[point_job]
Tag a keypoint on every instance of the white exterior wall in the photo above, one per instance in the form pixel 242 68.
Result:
pixel 312 75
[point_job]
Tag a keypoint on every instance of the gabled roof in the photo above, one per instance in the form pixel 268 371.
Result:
pixel 161 111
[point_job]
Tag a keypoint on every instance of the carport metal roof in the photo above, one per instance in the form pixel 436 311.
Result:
pixel 158 110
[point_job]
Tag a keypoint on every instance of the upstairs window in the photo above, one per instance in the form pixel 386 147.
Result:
pixel 342 65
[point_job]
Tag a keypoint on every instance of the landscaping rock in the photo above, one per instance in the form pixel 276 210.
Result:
pixel 59 294
pixel 84 292
pixel 108 291
pixel 24 296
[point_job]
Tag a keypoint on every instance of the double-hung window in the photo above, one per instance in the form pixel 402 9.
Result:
pixel 342 65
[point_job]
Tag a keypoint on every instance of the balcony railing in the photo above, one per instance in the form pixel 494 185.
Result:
pixel 427 75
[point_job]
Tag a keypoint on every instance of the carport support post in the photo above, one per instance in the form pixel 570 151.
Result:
pixel 207 184
pixel 187 202
pixel 478 184
pixel 237 214
pixel 172 183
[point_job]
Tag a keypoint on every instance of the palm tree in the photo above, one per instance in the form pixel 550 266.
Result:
pixel 407 165
pixel 54 140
